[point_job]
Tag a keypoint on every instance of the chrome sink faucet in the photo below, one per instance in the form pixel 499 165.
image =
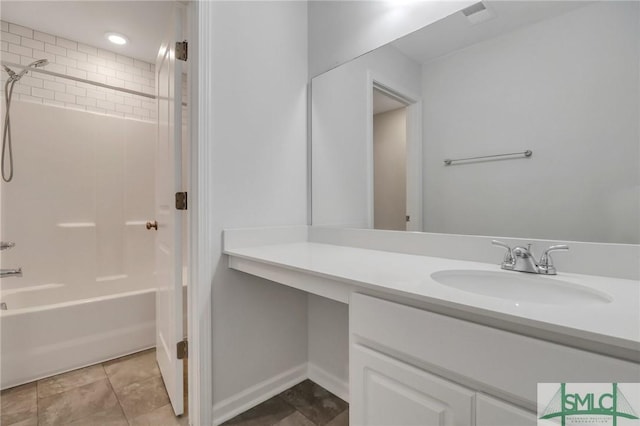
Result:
pixel 521 259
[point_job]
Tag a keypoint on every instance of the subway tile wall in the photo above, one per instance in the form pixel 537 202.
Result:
pixel 21 45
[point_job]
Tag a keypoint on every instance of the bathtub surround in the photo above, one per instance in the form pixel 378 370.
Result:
pixel 90 173
pixel 76 209
pixel 22 45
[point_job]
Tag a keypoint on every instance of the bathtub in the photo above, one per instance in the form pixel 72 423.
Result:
pixel 41 334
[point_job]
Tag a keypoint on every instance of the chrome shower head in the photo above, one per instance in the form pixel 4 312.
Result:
pixel 34 64
pixel 38 63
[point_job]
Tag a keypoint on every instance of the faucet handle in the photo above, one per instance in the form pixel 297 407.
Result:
pixel 546 263
pixel 508 257
pixel 6 245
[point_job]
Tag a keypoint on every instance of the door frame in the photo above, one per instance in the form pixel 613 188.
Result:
pixel 200 261
pixel 414 146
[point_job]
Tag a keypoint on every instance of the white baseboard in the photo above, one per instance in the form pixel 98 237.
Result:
pixel 249 398
pixel 241 402
pixel 328 381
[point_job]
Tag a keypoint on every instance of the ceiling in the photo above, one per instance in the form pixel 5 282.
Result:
pixel 457 31
pixel 143 22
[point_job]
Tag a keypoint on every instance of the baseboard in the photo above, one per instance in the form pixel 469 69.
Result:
pixel 249 398
pixel 241 402
pixel 328 381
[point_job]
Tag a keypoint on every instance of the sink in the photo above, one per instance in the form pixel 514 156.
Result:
pixel 520 287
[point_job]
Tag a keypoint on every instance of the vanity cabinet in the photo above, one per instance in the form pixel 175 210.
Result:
pixel 410 366
pixel 386 391
pixel 493 412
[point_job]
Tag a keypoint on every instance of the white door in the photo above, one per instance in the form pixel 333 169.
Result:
pixel 168 245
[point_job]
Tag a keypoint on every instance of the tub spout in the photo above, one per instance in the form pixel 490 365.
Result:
pixel 10 273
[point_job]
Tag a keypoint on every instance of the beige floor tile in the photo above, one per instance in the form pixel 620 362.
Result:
pixel 341 419
pixel 160 416
pixel 295 419
pixel 133 368
pixel 143 397
pixel 268 413
pixel 18 404
pixel 76 404
pixel 67 381
pixel 31 421
pixel 315 402
pixel 111 417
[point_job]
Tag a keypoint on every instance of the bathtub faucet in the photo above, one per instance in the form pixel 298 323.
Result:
pixel 10 273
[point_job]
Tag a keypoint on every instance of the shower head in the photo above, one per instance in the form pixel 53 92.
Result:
pixel 34 64
pixel 38 63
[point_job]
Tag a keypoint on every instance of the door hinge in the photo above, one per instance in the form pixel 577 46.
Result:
pixel 182 349
pixel 181 200
pixel 408 218
pixel 182 50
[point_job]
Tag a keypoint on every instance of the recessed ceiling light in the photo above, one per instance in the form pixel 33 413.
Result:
pixel 116 38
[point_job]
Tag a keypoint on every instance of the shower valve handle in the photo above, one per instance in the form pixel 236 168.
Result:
pixel 4 245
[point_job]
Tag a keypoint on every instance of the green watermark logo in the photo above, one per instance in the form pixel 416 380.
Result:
pixel 574 404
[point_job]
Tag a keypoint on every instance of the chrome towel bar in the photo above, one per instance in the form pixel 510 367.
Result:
pixel 526 153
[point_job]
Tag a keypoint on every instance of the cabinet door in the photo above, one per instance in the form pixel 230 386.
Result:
pixel 388 392
pixel 493 412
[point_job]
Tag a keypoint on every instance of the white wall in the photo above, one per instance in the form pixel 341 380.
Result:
pixel 259 80
pixel 566 88
pixel 328 325
pixel 342 30
pixel 79 200
pixel 341 155
pixel 22 45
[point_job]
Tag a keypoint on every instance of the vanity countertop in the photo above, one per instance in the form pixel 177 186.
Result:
pixel 611 328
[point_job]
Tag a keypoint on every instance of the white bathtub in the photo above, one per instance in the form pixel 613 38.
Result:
pixel 42 334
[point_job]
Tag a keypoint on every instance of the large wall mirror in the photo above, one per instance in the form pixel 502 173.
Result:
pixel 536 103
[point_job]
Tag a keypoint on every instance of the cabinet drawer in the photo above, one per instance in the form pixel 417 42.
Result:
pixel 506 364
pixel 386 391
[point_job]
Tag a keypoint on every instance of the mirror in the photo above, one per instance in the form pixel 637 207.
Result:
pixel 558 79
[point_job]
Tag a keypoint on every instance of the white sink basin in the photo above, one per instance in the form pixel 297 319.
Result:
pixel 520 287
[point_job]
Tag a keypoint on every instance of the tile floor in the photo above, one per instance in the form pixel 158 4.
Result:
pixel 305 404
pixel 126 391
pixel 129 391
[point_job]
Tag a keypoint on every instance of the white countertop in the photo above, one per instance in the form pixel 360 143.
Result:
pixel 615 324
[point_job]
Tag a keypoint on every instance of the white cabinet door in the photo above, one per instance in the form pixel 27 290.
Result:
pixel 493 412
pixel 388 392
